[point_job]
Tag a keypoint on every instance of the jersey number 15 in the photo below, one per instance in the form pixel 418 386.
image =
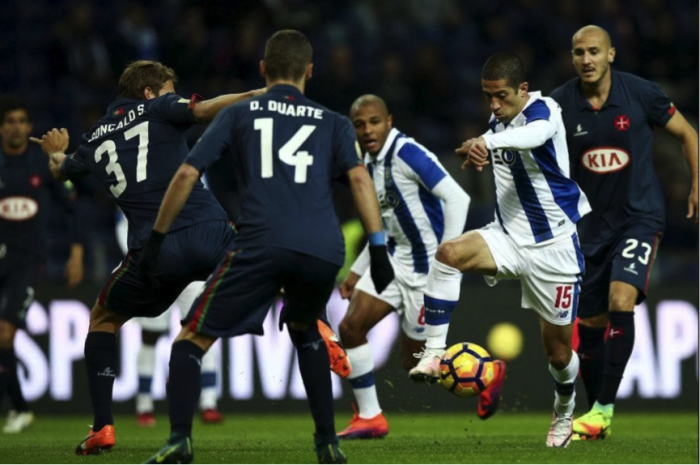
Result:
pixel 288 153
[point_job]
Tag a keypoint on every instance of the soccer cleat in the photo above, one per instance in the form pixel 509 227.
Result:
pixel 428 367
pixel 18 422
pixel 177 451
pixel 362 428
pixel 560 431
pixel 340 363
pixel 328 450
pixel 490 398
pixel 595 425
pixel 97 442
pixel 146 419
pixel 211 416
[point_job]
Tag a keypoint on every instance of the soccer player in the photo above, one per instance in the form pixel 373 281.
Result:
pixel 610 118
pixel 421 206
pixel 286 150
pixel 134 151
pixel 26 187
pixel 533 236
pixel 151 330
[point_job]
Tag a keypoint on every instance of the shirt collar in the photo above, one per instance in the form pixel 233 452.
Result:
pixel 613 97
pixel 393 134
pixel 120 102
pixel 284 89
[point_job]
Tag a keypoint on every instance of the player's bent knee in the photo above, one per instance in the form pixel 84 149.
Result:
pixel 7 334
pixel 204 341
pixel 623 296
pixel 598 321
pixel 104 320
pixel 352 333
pixel 448 253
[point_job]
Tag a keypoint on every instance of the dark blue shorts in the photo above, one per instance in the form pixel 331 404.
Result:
pixel 239 293
pixel 188 254
pixel 19 274
pixel 627 258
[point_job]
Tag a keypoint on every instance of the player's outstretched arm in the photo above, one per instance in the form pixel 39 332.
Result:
pixel 365 197
pixel 679 128
pixel 54 144
pixel 456 206
pixel 206 110
pixel 527 137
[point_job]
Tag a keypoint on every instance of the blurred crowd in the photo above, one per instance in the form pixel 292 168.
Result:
pixel 423 57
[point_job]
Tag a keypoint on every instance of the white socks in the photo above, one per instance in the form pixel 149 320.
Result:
pixel 207 399
pixel 362 380
pixel 565 386
pixel 441 297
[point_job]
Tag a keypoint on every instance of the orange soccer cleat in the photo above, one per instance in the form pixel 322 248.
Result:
pixel 491 396
pixel 211 416
pixel 97 442
pixel 361 428
pixel 146 419
pixel 340 364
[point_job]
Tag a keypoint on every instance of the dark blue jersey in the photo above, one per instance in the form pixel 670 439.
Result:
pixel 286 151
pixel 611 153
pixel 135 150
pixel 26 188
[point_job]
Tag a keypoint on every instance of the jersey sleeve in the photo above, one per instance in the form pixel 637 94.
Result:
pixel 346 150
pixel 422 166
pixel 215 141
pixel 659 107
pixel 65 193
pixel 175 109
pixel 75 164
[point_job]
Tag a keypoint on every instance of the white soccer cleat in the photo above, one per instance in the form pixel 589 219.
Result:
pixel 428 368
pixel 18 422
pixel 561 430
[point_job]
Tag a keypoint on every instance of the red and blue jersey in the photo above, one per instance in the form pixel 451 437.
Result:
pixel 134 151
pixel 286 151
pixel 611 153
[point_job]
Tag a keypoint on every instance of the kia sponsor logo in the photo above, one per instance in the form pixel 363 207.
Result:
pixel 18 208
pixel 605 160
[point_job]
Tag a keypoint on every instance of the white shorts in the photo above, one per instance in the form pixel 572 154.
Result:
pixel 550 275
pixel 183 303
pixel 407 300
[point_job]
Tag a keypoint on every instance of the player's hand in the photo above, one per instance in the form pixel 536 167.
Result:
pixel 347 287
pixel 475 153
pixel 73 271
pixel 149 258
pixel 54 141
pixel 693 204
pixel 380 267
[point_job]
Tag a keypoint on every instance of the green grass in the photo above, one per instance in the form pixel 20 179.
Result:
pixel 414 438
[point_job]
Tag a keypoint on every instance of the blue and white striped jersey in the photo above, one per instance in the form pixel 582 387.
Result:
pixel 405 174
pixel 536 200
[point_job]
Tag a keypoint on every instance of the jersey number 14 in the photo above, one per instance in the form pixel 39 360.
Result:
pixel 288 153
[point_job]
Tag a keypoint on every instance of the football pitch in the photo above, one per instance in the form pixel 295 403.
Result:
pixel 414 438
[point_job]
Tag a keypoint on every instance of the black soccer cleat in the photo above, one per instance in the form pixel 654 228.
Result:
pixel 328 450
pixel 178 451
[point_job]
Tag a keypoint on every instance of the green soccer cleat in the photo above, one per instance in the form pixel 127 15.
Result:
pixel 328 450
pixel 595 425
pixel 177 451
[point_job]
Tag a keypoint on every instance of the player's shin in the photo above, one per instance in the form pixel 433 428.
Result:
pixel 145 365
pixel 591 352
pixel 313 365
pixel 207 400
pixel 101 359
pixel 184 386
pixel 618 350
pixel 362 381
pixel 565 386
pixel 441 297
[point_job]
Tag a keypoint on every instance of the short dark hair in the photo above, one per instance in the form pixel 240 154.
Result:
pixel 287 53
pixel 13 103
pixel 141 74
pixel 506 66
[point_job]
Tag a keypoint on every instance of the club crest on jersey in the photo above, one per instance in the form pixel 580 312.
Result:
pixel 604 160
pixel 622 123
pixel 388 200
pixel 18 208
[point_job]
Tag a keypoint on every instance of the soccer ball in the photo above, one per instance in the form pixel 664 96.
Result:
pixel 466 369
